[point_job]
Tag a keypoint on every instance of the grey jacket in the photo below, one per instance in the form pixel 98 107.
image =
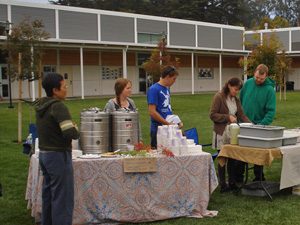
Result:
pixel 110 105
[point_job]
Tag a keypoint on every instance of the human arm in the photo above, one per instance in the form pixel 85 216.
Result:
pixel 156 116
pixel 62 116
pixel 110 105
pixel 218 112
pixel 270 108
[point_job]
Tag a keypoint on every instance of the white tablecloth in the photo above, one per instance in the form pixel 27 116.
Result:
pixel 290 172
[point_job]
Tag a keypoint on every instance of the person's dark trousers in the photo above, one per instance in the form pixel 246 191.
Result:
pixel 153 139
pixel 230 171
pixel 0 190
pixel 239 170
pixel 58 188
pixel 257 173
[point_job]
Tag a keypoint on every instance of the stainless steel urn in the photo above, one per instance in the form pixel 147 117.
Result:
pixel 94 131
pixel 124 128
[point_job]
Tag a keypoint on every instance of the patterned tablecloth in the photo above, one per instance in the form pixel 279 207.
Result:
pixel 105 194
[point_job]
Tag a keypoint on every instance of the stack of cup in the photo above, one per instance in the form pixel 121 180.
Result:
pixel 175 148
pixel 183 146
pixel 159 137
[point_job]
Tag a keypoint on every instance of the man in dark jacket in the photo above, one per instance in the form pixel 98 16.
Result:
pixel 55 131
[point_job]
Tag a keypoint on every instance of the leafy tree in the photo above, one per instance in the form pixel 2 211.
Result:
pixel 277 22
pixel 158 60
pixel 25 49
pixel 271 53
pixel 289 9
pixel 26 38
pixel 281 22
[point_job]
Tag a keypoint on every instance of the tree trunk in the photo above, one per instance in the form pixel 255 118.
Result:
pixel 284 88
pixel 20 103
pixel 279 92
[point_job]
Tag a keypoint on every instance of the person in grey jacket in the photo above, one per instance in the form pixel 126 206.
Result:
pixel 122 100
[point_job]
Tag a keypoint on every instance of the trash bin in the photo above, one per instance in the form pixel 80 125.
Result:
pixel 290 85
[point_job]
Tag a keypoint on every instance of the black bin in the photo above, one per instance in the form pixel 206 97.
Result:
pixel 290 85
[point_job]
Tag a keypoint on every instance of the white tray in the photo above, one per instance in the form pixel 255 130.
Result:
pixel 259 142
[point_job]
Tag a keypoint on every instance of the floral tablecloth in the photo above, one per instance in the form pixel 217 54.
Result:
pixel 181 187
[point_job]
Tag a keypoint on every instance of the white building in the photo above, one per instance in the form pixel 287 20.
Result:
pixel 92 48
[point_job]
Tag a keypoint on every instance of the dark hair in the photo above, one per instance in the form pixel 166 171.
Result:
pixel 119 87
pixel 50 81
pixel 234 82
pixel 169 70
pixel 262 69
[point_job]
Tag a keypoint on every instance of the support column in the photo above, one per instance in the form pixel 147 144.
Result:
pixel 220 71
pixel 193 74
pixel 125 62
pixel 81 73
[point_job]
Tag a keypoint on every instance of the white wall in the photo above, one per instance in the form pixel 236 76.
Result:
pixel 95 86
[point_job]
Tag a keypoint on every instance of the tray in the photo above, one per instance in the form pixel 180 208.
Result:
pixel 89 156
pixel 289 139
pixel 255 189
pixel 259 142
pixel 262 131
pixel 293 131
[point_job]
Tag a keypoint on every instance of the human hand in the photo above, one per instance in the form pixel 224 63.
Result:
pixel 75 125
pixel 232 119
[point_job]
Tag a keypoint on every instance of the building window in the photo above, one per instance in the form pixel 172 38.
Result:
pixel 47 70
pixel 149 38
pixel 111 72
pixel 205 73
pixel 143 58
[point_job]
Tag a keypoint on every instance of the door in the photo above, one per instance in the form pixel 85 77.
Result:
pixel 66 71
pixel 4 83
pixel 142 80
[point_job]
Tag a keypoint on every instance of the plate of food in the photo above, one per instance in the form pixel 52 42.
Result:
pixel 109 155
pixel 90 156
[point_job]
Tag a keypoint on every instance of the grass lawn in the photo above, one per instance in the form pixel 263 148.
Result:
pixel 194 112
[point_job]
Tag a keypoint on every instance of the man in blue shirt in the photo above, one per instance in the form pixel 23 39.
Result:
pixel 159 103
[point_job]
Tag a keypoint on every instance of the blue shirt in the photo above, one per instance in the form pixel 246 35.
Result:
pixel 160 96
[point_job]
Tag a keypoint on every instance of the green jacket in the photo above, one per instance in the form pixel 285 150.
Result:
pixel 259 101
pixel 55 129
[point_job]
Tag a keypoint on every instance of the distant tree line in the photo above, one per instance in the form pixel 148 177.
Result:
pixel 247 13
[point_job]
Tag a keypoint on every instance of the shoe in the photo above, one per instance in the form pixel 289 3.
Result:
pixel 225 189
pixel 257 179
pixel 233 187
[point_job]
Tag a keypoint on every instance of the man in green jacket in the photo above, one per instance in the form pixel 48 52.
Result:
pixel 55 131
pixel 259 103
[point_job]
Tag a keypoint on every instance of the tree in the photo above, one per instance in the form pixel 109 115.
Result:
pixel 288 9
pixel 25 49
pixel 26 38
pixel 271 53
pixel 158 60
